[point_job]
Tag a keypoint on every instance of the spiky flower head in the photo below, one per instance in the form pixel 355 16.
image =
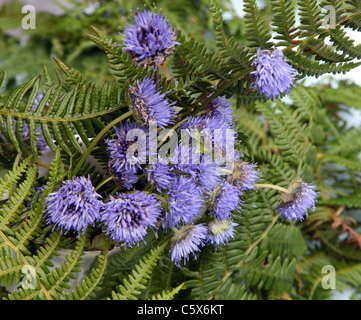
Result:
pixel 128 216
pixel 74 205
pixel 150 105
pixel 185 202
pixel 227 199
pixel 186 241
pixel 124 178
pixel 300 197
pixel 221 106
pixel 161 175
pixel 195 161
pixel 215 140
pixel 125 153
pixel 150 39
pixel 273 75
pixel 244 175
pixel 220 231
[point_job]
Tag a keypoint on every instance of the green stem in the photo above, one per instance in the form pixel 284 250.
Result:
pixel 97 139
pixel 103 182
pixel 271 186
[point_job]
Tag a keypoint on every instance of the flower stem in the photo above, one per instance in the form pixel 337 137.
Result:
pixel 271 186
pixel 103 183
pixel 97 139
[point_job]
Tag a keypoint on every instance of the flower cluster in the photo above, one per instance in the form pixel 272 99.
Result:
pixel 193 194
pixel 193 186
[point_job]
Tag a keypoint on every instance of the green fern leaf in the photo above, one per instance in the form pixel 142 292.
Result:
pixel 136 280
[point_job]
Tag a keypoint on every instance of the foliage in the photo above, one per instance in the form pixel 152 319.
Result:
pixel 302 135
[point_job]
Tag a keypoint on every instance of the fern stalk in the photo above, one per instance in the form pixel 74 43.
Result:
pixel 98 138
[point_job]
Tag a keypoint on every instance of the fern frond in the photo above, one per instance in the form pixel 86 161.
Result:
pixel 136 280
pixel 309 67
pixel 310 17
pixel 91 284
pixel 119 61
pixel 13 176
pixel 285 240
pixel 286 129
pixel 257 31
pixel 167 294
pixel 54 283
pixel 284 22
pixel 10 211
pixel 234 55
pixel 193 58
pixel 61 117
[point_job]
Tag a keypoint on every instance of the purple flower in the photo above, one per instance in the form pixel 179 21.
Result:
pixel 221 107
pixel 300 197
pixel 203 170
pixel 186 241
pixel 150 104
pixel 226 200
pixel 220 231
pixel 218 135
pixel 161 176
pixel 273 75
pixel 129 149
pixel 150 39
pixel 128 216
pixel 185 202
pixel 74 205
pixel 124 178
pixel 244 175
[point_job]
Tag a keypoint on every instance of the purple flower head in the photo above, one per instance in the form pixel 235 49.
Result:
pixel 221 107
pixel 128 216
pixel 244 175
pixel 194 162
pixel 217 133
pixel 150 39
pixel 185 202
pixel 124 178
pixel 74 205
pixel 186 241
pixel 161 175
pixel 273 75
pixel 220 231
pixel 300 197
pixel 150 104
pixel 129 149
pixel 225 201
